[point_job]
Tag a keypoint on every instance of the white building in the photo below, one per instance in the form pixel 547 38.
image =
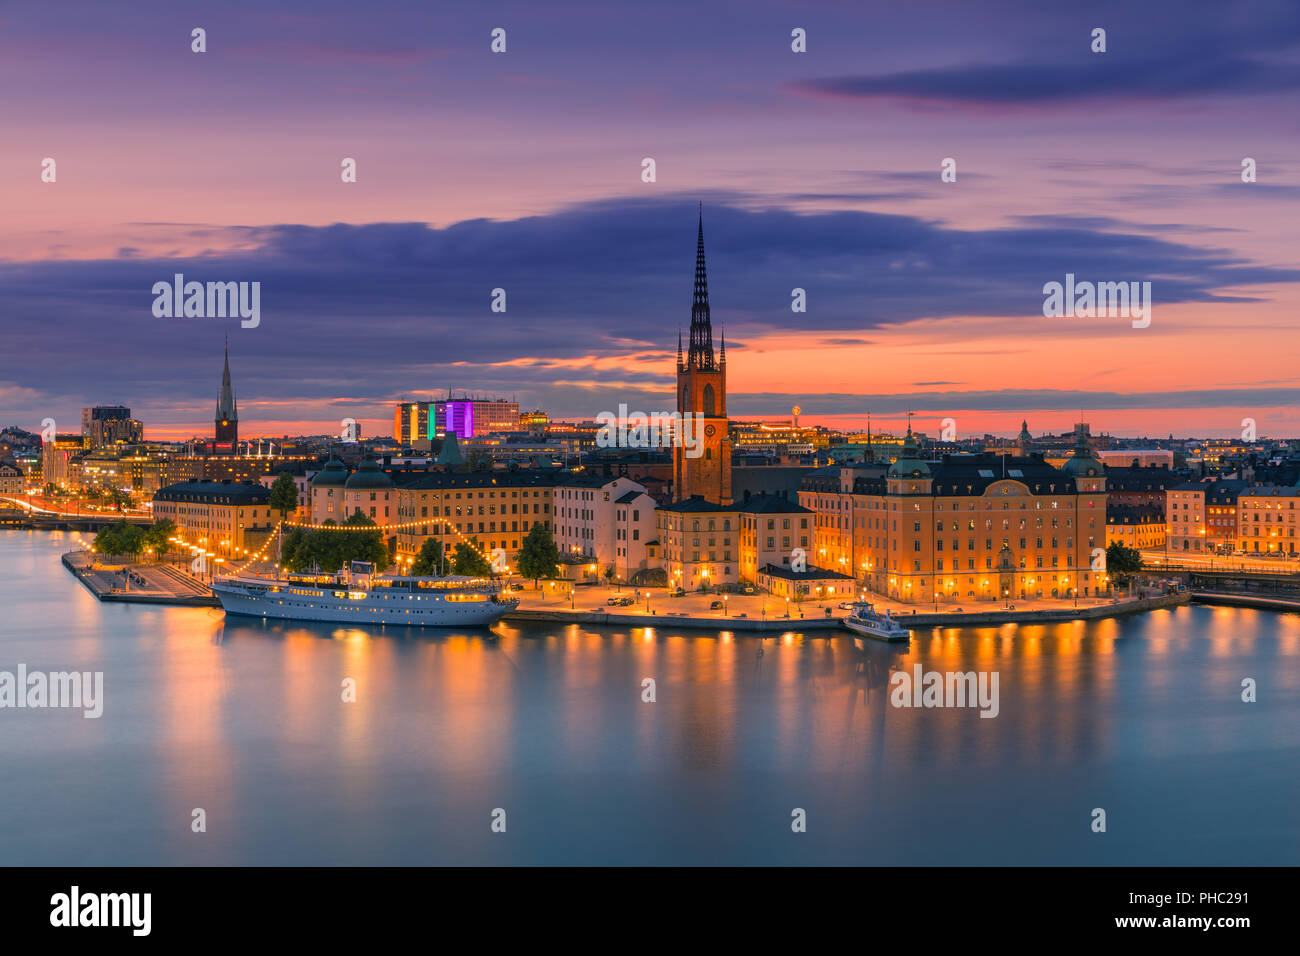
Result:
pixel 604 519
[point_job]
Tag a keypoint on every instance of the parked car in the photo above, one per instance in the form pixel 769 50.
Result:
pixel 622 600
pixel 846 605
pixel 717 605
pixel 678 593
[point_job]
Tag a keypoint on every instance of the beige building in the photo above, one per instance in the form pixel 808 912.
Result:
pixel 1267 521
pixel 496 510
pixel 230 519
pixel 966 528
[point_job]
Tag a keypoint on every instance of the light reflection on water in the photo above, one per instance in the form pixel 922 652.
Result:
pixel 1141 716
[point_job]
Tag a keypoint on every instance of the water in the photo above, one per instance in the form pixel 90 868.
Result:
pixel 1141 717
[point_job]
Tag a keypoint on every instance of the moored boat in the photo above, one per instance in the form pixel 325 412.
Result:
pixel 359 596
pixel 865 622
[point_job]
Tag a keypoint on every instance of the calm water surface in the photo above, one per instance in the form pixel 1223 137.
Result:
pixel 1141 717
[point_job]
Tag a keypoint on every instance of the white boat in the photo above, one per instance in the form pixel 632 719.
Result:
pixel 865 623
pixel 359 596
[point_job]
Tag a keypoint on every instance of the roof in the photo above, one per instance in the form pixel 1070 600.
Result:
pixel 755 504
pixel 812 573
pixel 369 475
pixel 530 478
pixel 215 492
pixel 334 474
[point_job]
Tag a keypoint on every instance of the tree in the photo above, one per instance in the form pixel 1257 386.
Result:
pixel 609 573
pixel 429 560
pixel 1122 562
pixel 157 537
pixel 468 560
pixel 539 557
pixel 284 495
pixel 121 538
pixel 331 548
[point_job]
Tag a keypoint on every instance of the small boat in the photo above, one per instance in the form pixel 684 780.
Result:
pixel 865 623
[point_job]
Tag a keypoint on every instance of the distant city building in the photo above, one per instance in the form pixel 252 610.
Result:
pixel 104 426
pixel 12 479
pixel 227 418
pixel 411 423
pixel 469 417
pixel 534 421
pixel 57 459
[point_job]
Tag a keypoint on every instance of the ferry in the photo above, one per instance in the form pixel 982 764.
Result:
pixel 865 623
pixel 359 596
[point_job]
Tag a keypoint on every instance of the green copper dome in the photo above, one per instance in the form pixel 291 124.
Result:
pixel 333 475
pixel 1083 464
pixel 369 475
pixel 909 463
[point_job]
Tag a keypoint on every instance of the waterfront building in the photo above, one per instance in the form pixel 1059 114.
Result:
pixel 605 519
pixel 1141 527
pixel 229 518
pixel 1267 520
pixel 369 491
pixel 965 527
pixel 12 479
pixel 497 509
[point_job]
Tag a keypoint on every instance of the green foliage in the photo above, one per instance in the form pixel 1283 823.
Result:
pixel 284 494
pixel 156 536
pixel 121 538
pixel 539 557
pixel 1122 562
pixel 332 548
pixel 429 560
pixel 467 559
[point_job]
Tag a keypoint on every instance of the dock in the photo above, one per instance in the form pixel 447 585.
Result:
pixel 163 584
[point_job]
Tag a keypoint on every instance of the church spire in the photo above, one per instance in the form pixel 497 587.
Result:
pixel 680 364
pixel 701 353
pixel 226 411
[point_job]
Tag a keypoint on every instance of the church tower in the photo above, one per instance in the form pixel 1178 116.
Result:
pixel 227 415
pixel 702 390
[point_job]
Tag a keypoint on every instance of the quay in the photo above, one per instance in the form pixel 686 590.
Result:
pixel 163 584
pixel 817 619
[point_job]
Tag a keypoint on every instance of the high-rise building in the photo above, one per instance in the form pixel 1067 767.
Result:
pixel 411 422
pixel 106 425
pixel 469 417
pixel 227 420
pixel 702 390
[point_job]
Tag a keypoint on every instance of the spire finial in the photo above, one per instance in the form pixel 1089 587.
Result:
pixel 701 350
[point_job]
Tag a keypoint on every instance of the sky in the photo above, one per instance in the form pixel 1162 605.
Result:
pixel 522 171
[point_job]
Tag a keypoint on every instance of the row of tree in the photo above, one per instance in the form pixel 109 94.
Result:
pixel 132 539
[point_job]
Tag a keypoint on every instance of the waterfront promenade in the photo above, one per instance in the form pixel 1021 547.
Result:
pixel 587 604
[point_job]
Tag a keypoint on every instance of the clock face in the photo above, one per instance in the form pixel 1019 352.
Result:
pixel 709 431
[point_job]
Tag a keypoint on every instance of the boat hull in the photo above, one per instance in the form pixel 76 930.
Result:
pixel 386 609
pixel 863 632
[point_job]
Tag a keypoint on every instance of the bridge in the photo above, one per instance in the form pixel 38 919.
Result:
pixel 1233 581
pixel 17 512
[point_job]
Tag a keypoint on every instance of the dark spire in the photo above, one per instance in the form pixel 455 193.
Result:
pixel 722 351
pixel 701 353
pixel 680 363
pixel 226 410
